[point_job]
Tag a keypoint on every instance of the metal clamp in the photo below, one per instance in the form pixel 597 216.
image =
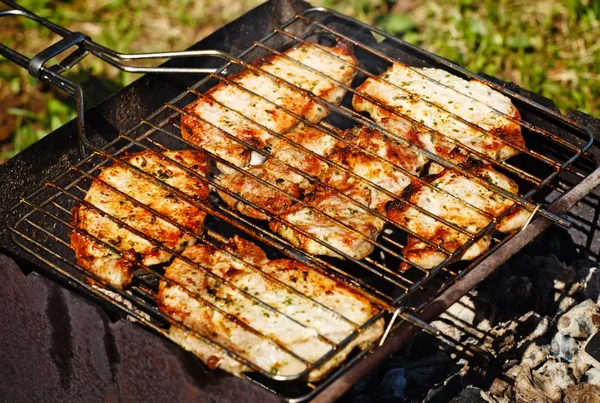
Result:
pixel 85 46
pixel 36 63
pixel 535 210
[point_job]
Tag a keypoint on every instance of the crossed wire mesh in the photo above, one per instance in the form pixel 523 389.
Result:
pixel 44 224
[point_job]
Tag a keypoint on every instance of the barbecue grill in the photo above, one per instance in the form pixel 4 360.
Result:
pixel 558 168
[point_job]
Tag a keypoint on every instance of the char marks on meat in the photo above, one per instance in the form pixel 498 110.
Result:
pixel 460 201
pixel 240 288
pixel 108 194
pixel 442 101
pixel 282 171
pixel 350 226
pixel 260 102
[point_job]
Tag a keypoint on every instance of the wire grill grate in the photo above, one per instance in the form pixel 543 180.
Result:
pixel 555 160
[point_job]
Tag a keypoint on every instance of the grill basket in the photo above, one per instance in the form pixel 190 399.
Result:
pixel 549 171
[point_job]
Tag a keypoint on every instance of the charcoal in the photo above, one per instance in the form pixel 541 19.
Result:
pixel 581 321
pixel 590 353
pixel 470 395
pixel 393 385
pixel 524 388
pixel 534 355
pixel 564 347
pixel 502 386
pixel 578 368
pixel 519 288
pixel 582 393
pixel 445 391
pixel 472 315
pixel 553 378
pixel 532 386
pixel 531 282
pixel 592 376
pixel 427 371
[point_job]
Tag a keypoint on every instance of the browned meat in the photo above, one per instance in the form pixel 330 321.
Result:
pixel 104 194
pixel 442 205
pixel 181 300
pixel 221 104
pixel 444 90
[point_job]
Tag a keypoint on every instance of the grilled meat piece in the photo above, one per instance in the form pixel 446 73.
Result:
pixel 441 204
pixel 405 90
pixel 431 141
pixel 104 194
pixel 360 226
pixel 312 138
pixel 375 159
pixel 239 112
pixel 352 238
pixel 233 310
pixel 279 172
pixel 287 183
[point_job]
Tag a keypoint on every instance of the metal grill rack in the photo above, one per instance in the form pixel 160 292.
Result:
pixel 556 160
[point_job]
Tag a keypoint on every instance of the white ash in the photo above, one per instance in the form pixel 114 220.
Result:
pixel 534 355
pixel 464 317
pixel 591 283
pixel 564 347
pixel 581 321
pixel 553 365
pixel 553 376
pixel 582 393
pixel 592 376
pixel 578 368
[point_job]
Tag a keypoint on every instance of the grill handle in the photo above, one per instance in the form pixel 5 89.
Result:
pixel 84 46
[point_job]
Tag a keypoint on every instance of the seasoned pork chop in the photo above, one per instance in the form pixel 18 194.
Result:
pixel 279 172
pixel 287 184
pixel 296 326
pixel 444 206
pixel 234 110
pixel 381 167
pixel 384 163
pixel 352 238
pixel 431 141
pixel 446 93
pixel 104 194
pixel 312 138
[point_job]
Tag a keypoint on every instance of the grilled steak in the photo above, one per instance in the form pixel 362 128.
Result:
pixel 468 213
pixel 224 308
pixel 240 112
pixel 440 100
pixel 108 194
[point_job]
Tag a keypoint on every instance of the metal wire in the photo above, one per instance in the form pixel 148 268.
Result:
pixel 375 279
pixel 446 163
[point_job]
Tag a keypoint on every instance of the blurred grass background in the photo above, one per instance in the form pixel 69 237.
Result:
pixel 548 46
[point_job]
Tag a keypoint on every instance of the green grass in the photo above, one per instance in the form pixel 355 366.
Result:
pixel 549 46
pixel 29 110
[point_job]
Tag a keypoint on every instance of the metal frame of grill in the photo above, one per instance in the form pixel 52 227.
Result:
pixel 396 293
